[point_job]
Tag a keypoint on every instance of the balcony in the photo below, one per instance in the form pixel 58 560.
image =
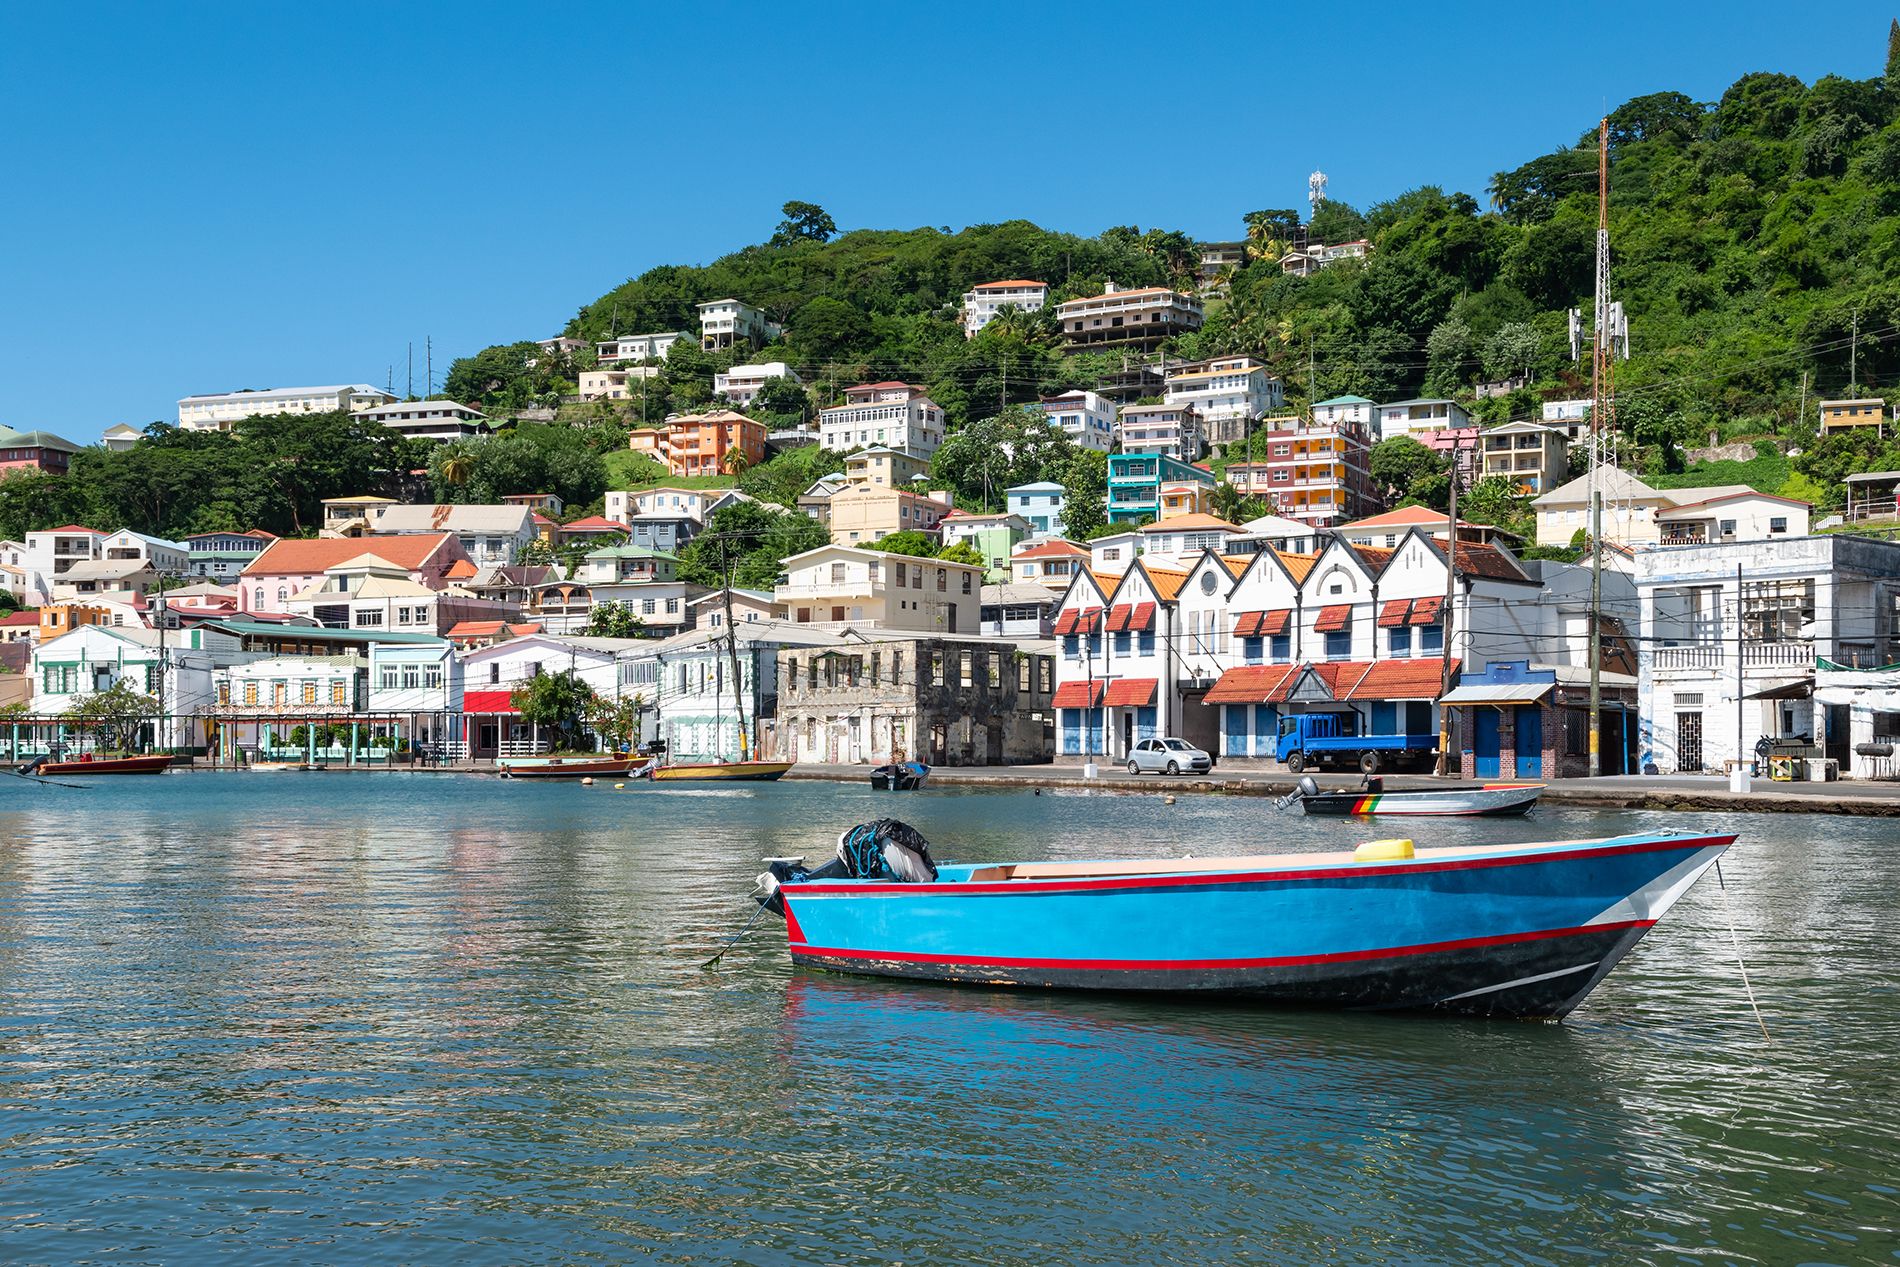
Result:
pixel 1755 655
pixel 1701 657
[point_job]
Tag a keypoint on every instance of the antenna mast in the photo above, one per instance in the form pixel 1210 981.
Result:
pixel 1602 405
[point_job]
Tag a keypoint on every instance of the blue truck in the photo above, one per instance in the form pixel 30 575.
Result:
pixel 1329 740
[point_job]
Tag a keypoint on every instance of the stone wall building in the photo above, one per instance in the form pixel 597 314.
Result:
pixel 944 701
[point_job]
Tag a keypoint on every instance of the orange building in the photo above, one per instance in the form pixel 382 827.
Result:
pixel 703 444
pixel 63 618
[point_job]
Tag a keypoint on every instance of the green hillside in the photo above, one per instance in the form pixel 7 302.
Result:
pixel 1754 242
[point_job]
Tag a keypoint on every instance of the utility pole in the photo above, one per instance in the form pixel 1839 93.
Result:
pixel 1600 411
pixel 1801 412
pixel 1853 352
pixel 161 651
pixel 428 377
pixel 1444 619
pixel 1741 743
pixel 410 390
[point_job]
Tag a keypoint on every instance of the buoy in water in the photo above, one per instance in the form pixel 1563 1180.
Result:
pixel 1167 800
pixel 587 782
pixel 618 786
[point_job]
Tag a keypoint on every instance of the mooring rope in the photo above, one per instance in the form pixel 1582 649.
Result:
pixel 1736 941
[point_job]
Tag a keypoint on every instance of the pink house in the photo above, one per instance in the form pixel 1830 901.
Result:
pixel 288 566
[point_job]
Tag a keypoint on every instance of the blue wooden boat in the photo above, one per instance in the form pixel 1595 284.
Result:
pixel 1521 930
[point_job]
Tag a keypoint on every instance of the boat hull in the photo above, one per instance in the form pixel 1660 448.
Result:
pixel 561 768
pixel 722 772
pixel 1521 931
pixel 1490 801
pixel 115 765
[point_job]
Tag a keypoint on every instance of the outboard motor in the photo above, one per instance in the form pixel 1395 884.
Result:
pixel 882 850
pixel 1304 788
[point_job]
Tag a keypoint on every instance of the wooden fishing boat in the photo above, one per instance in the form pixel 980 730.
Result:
pixel 152 764
pixel 721 771
pixel 572 767
pixel 1488 800
pixel 900 776
pixel 1523 930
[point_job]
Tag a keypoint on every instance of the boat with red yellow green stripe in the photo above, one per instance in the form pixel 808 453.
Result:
pixel 1488 800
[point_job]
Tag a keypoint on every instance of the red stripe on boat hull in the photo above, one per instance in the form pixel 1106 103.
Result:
pixel 800 949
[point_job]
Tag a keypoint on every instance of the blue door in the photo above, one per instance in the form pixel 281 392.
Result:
pixel 1484 743
pixel 1530 741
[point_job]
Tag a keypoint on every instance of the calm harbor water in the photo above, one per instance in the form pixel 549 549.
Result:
pixel 446 1019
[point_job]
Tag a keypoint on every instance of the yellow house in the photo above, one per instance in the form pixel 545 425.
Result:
pixel 1838 415
pixel 888 467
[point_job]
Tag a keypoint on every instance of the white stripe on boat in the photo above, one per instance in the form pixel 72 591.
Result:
pixel 1511 985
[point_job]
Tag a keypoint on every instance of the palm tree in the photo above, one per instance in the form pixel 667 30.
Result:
pixel 458 470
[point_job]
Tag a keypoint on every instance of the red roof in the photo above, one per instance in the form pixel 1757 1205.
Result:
pixel 77 528
pixel 1425 610
pixel 1274 623
pixel 1011 283
pixel 1050 549
pixel 1396 679
pixel 1131 692
pixel 1075 620
pixel 21 618
pixel 1250 684
pixel 1334 618
pixel 306 556
pixel 474 629
pixel 1346 680
pixel 1082 694
pixel 1403 517
pixel 460 570
pixel 1392 613
pixel 1487 560
pixel 594 523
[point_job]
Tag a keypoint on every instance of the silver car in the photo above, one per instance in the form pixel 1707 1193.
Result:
pixel 1168 756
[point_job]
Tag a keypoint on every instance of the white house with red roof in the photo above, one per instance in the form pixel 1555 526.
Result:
pixel 983 301
pixel 289 566
pixel 891 415
pixel 1052 563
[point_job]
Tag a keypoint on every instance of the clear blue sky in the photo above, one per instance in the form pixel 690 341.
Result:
pixel 201 197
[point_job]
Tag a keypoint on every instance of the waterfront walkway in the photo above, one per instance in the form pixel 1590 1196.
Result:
pixel 1668 792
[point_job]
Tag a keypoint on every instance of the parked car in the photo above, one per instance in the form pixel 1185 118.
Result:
pixel 1168 756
